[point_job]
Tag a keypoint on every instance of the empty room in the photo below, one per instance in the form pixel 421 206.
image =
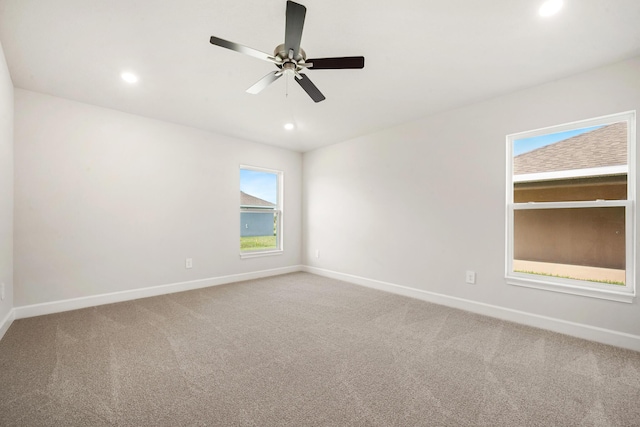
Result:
pixel 319 213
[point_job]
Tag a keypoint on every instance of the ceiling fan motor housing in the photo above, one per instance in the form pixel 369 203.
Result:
pixel 290 64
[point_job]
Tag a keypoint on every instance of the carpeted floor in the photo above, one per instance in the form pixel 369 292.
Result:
pixel 303 350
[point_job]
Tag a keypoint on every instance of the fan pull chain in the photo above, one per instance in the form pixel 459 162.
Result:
pixel 286 85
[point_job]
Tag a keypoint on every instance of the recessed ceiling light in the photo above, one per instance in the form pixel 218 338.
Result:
pixel 550 7
pixel 288 126
pixel 129 77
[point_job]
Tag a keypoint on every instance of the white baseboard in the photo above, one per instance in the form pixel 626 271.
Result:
pixel 95 300
pixel 6 322
pixel 592 333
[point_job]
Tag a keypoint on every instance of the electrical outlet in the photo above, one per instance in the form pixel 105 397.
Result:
pixel 188 263
pixel 2 292
pixel 317 253
pixel 471 277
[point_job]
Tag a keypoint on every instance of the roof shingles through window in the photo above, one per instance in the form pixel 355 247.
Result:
pixel 249 200
pixel 605 146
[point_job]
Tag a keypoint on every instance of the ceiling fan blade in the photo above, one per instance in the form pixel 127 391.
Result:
pixel 336 63
pixel 264 82
pixel 309 87
pixel 294 24
pixel 242 49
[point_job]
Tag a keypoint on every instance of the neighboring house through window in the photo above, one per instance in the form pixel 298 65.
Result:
pixel 260 211
pixel 570 201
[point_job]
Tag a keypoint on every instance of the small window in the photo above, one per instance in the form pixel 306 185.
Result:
pixel 570 201
pixel 260 212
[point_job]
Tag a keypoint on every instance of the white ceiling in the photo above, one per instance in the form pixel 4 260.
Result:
pixel 422 57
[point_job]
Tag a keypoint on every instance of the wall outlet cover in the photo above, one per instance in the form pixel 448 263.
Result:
pixel 471 277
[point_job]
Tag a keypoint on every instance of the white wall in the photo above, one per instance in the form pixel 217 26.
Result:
pixel 6 188
pixel 418 204
pixel 107 201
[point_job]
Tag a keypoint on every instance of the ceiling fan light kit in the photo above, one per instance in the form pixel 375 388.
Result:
pixel 290 58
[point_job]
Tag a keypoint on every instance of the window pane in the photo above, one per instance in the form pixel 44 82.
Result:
pixel 577 243
pixel 258 230
pixel 582 164
pixel 260 188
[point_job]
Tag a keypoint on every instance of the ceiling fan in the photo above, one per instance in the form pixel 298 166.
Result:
pixel 290 58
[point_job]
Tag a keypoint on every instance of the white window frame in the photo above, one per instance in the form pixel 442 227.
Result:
pixel 572 286
pixel 279 250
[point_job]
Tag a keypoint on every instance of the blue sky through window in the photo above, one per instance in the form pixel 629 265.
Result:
pixel 521 146
pixel 263 185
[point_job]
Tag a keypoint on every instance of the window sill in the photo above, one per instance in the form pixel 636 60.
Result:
pixel 606 294
pixel 258 254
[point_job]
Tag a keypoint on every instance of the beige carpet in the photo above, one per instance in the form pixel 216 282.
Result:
pixel 302 350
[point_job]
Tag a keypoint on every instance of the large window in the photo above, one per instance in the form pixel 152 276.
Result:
pixel 570 201
pixel 260 211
